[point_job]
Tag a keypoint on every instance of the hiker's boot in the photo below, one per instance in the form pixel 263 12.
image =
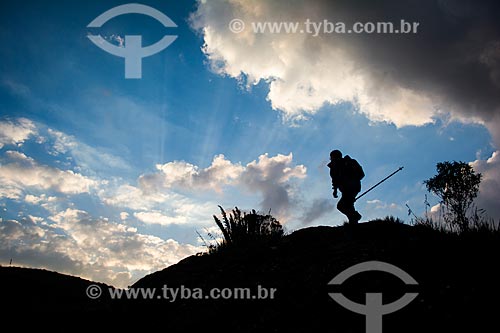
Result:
pixel 354 219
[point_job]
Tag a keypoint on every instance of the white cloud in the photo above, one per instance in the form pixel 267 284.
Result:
pixel 35 200
pixel 51 204
pixel 16 132
pixel 272 176
pixel 379 204
pixel 275 169
pixel 156 217
pixel 489 189
pixel 116 39
pixel 76 243
pixel 9 191
pixel 162 207
pixel 269 176
pixel 36 219
pixel 435 209
pixel 71 240
pixel 22 172
pixel 128 196
pixel 303 72
pixel 185 175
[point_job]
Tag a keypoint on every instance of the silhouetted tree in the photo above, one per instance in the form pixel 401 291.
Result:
pixel 457 185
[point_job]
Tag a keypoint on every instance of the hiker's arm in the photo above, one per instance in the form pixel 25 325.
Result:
pixel 334 179
pixel 334 184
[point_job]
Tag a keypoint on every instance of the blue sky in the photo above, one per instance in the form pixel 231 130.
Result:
pixel 110 178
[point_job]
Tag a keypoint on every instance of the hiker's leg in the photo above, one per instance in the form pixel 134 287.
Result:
pixel 356 215
pixel 350 194
pixel 341 205
pixel 349 209
pixel 346 207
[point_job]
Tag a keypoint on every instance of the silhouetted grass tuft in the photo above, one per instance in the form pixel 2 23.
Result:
pixel 240 229
pixel 389 219
pixel 478 226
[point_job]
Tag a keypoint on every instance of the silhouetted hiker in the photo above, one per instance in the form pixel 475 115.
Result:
pixel 346 176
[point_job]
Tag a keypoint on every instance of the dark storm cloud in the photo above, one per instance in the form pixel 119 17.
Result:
pixel 455 56
pixel 318 208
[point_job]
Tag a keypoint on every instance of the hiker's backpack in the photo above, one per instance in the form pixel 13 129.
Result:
pixel 352 169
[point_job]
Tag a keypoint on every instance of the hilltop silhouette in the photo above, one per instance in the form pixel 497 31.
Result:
pixel 30 290
pixel 457 279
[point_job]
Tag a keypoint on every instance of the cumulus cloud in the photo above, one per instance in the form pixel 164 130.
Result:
pixel 162 206
pixel 132 197
pixel 50 203
pixel 269 176
pixel 156 217
pixel 21 172
pixel 75 243
pixel 451 64
pixel 489 189
pixel 185 175
pixel 16 132
pixel 71 240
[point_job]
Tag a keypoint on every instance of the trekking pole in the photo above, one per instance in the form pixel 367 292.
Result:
pixel 380 182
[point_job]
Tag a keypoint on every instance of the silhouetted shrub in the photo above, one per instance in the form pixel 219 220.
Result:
pixel 245 229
